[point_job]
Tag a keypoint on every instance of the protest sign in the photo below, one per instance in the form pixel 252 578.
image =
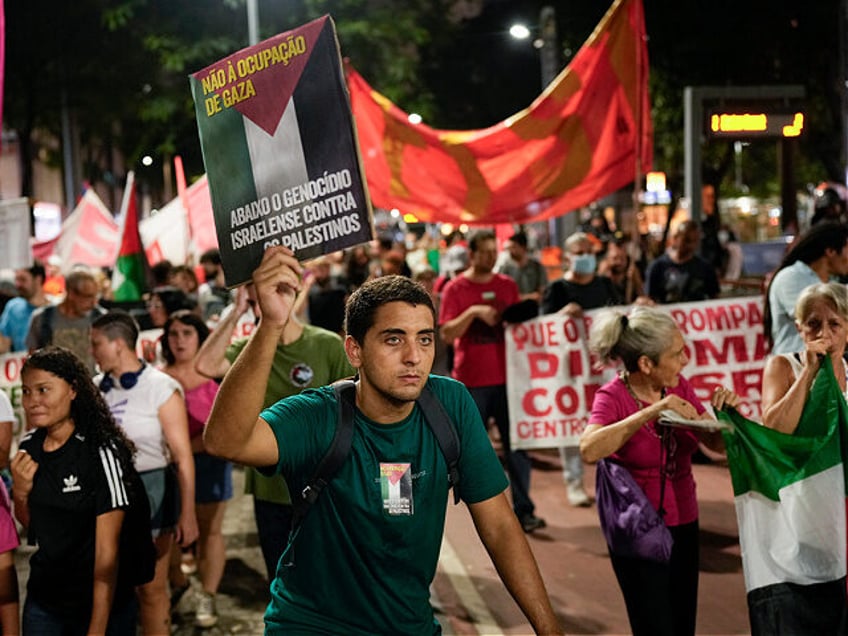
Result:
pixel 15 251
pixel 280 150
pixel 552 379
pixel 10 383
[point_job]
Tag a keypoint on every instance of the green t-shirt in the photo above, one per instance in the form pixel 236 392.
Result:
pixel 315 359
pixel 367 551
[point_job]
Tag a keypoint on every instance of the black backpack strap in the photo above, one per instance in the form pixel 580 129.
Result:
pixel 336 454
pixel 45 333
pixel 442 426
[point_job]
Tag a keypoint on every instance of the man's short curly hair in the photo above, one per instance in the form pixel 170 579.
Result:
pixel 363 304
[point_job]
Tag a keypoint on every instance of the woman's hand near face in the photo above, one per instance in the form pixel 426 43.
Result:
pixel 816 349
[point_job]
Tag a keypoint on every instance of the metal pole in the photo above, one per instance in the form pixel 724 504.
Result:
pixel 252 22
pixel 549 53
pixel 67 153
pixel 551 62
pixel 693 111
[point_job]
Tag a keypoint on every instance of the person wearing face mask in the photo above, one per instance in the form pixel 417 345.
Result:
pixel 579 289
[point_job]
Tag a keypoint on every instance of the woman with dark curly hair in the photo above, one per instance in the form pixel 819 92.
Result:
pixel 71 492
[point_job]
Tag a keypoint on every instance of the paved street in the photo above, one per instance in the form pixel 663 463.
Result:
pixel 467 592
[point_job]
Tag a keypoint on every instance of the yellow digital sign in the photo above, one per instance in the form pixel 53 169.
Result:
pixel 762 124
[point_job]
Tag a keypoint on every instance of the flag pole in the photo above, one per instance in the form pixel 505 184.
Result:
pixel 640 88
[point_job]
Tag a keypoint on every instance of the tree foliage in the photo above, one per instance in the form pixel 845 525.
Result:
pixel 121 66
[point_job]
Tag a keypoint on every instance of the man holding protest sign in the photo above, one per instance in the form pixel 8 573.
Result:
pixel 470 319
pixel 365 561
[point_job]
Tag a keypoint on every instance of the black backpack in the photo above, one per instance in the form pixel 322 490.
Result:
pixel 437 418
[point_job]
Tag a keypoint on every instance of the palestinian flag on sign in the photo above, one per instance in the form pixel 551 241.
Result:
pixel 280 150
pixel 790 495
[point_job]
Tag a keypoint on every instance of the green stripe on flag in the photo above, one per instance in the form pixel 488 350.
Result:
pixel 764 460
pixel 230 172
pixel 130 275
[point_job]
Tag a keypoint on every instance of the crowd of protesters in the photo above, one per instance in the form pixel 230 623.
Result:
pixel 159 393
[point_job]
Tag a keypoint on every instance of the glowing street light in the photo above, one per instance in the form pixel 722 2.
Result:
pixel 519 31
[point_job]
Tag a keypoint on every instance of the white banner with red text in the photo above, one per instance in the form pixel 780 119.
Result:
pixel 551 377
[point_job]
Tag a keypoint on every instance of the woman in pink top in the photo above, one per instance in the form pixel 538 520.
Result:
pixel 661 598
pixel 184 332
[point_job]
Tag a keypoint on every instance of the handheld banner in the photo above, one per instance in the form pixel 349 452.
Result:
pixel 15 251
pixel 280 150
pixel 552 379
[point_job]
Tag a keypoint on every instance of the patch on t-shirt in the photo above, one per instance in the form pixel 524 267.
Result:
pixel 301 374
pixel 396 487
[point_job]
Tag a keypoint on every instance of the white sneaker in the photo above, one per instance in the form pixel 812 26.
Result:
pixel 205 615
pixel 577 496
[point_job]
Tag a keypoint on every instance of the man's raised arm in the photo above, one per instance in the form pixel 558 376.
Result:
pixel 234 430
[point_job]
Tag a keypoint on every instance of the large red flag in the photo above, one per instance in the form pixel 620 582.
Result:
pixel 587 135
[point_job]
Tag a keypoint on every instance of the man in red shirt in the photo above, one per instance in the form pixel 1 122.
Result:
pixel 470 319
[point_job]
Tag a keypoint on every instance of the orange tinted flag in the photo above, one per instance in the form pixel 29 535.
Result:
pixel 583 138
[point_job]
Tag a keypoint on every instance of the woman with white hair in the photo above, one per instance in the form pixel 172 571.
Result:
pixel 661 598
pixel 821 317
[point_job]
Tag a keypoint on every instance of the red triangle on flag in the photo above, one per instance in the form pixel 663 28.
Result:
pixel 280 61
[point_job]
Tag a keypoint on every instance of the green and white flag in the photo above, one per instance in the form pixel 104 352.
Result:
pixel 280 150
pixel 790 491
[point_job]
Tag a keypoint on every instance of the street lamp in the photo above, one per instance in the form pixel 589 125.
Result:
pixel 519 31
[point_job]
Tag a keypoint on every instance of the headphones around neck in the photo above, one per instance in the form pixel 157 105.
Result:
pixel 127 380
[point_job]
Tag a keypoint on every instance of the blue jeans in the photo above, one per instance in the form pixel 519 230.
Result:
pixel 572 464
pixel 38 621
pixel 491 402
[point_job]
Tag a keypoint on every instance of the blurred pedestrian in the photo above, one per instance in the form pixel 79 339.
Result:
pixel 818 254
pixel 470 319
pixel 149 406
pixel 184 334
pixel 527 272
pixel 617 265
pixel 68 324
pixel 14 321
pixel 578 290
pixel 680 275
